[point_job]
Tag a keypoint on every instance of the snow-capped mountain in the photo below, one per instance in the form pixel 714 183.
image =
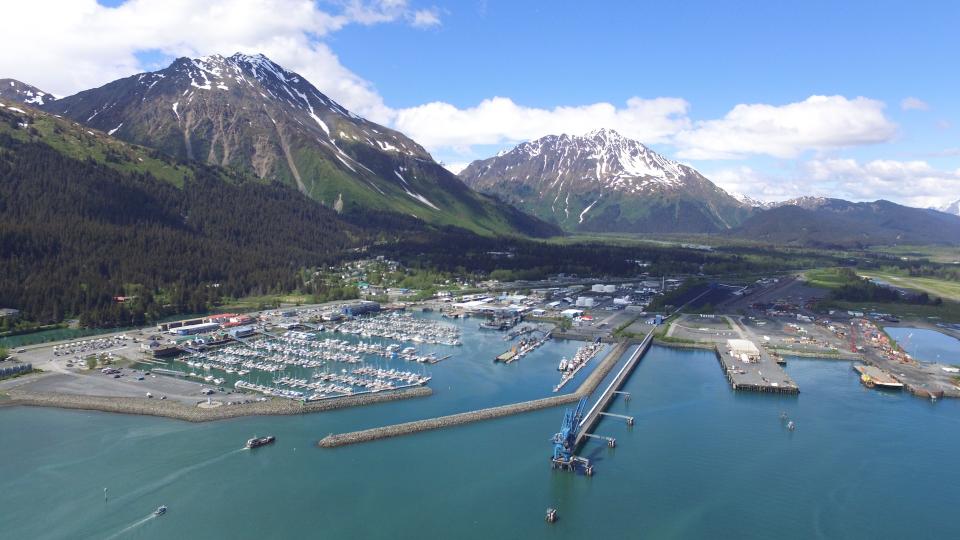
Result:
pixel 749 201
pixel 15 90
pixel 603 181
pixel 830 222
pixel 247 112
pixel 952 208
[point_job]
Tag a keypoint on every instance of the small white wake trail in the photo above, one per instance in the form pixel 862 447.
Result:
pixel 174 476
pixel 131 526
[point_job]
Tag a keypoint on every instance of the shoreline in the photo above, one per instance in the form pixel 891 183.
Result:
pixel 180 411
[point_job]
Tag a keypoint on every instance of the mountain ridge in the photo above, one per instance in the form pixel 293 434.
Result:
pixel 827 222
pixel 616 184
pixel 15 90
pixel 249 113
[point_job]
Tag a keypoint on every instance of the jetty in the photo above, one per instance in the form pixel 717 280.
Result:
pixel 586 388
pixel 599 408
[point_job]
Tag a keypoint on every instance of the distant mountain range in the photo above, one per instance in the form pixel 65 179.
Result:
pixel 605 182
pixel 817 221
pixel 248 113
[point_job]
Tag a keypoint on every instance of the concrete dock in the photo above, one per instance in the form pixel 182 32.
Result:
pixel 603 402
pixel 764 375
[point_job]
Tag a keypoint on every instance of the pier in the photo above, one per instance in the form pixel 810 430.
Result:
pixel 603 402
pixel 755 370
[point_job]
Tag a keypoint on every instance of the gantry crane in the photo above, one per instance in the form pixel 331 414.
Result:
pixel 565 441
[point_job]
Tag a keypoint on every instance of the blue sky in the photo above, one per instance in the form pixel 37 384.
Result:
pixel 729 88
pixel 714 56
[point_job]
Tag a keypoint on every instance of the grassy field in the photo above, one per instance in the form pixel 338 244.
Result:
pixel 826 278
pixel 948 290
pixel 941 254
pixel 948 312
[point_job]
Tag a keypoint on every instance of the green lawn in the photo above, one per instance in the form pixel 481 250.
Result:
pixel 948 290
pixel 941 254
pixel 826 278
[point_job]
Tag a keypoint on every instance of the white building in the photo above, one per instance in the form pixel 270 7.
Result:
pixel 584 301
pixel 571 313
pixel 743 347
pixel 601 288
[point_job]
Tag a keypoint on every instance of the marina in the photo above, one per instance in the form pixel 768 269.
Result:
pixel 569 368
pixel 524 347
pixel 402 326
pixel 311 366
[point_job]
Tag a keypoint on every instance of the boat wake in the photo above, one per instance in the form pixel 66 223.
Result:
pixel 174 476
pixel 131 526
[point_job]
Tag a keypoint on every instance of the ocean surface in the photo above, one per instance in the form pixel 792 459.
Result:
pixel 924 344
pixel 700 462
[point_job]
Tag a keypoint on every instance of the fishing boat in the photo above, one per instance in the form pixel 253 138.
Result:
pixel 260 441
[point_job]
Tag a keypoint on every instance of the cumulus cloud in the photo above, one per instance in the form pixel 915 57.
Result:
pixel 914 183
pixel 785 131
pixel 914 104
pixel 499 120
pixel 744 180
pixel 83 44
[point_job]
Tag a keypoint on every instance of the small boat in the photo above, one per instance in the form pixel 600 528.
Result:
pixel 551 515
pixel 260 441
pixel 791 426
pixel 161 510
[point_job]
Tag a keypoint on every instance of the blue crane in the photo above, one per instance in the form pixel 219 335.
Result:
pixel 565 441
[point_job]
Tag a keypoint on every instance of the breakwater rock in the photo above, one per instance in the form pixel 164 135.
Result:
pixel 194 413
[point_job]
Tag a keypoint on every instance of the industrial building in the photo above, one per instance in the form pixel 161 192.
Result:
pixel 194 329
pixel 600 288
pixel 743 348
pixel 584 301
pixel 361 308
pixel 240 332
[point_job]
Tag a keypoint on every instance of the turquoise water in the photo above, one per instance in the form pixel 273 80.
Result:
pixel 929 345
pixel 700 462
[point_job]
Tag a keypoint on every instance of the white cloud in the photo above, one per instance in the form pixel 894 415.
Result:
pixel 913 183
pixel 785 131
pixel 456 167
pixel 499 120
pixel 82 44
pixel 756 185
pixel 425 17
pixel 914 104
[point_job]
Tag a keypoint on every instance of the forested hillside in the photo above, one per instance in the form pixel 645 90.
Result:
pixel 77 231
